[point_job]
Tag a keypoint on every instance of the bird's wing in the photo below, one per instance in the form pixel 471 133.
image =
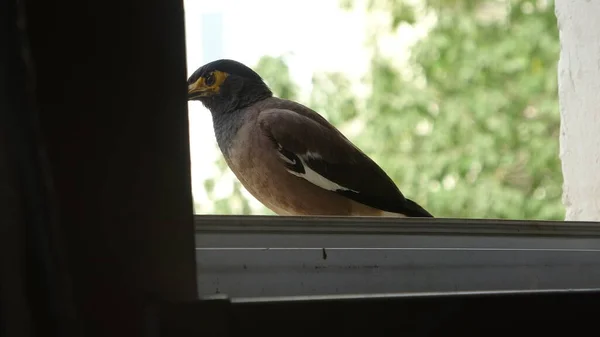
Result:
pixel 320 154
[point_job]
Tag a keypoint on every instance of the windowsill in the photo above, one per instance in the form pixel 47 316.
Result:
pixel 246 256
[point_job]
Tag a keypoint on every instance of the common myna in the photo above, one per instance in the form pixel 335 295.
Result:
pixel 288 156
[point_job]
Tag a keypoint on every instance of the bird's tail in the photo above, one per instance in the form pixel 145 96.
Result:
pixel 414 210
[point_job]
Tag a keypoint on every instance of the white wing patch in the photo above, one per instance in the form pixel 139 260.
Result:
pixel 316 178
pixel 312 155
pixel 283 157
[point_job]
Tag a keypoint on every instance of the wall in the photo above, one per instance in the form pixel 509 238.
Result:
pixel 579 94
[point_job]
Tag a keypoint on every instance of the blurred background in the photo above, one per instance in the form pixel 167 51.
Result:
pixel 455 99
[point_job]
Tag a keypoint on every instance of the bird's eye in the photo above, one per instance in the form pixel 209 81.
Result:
pixel 209 79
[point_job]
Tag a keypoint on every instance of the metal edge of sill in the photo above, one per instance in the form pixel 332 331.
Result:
pixel 233 224
pixel 386 296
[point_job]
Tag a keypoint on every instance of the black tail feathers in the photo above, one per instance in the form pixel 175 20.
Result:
pixel 412 209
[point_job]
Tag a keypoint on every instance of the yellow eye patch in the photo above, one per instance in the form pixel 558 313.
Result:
pixel 208 84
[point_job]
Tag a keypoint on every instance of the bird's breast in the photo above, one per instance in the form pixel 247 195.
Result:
pixel 254 160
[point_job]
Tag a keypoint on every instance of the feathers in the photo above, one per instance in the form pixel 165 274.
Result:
pixel 297 166
pixel 312 149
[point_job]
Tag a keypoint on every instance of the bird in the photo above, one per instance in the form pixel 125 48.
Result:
pixel 288 156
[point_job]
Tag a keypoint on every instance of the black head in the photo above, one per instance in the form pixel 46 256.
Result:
pixel 226 85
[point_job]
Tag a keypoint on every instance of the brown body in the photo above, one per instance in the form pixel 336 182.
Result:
pixel 263 175
pixel 285 198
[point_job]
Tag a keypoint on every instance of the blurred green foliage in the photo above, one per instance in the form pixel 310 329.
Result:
pixel 471 130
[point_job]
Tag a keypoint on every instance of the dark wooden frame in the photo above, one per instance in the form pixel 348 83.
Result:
pixel 95 177
pixel 543 313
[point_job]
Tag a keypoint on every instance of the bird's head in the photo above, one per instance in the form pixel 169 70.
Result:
pixel 226 85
